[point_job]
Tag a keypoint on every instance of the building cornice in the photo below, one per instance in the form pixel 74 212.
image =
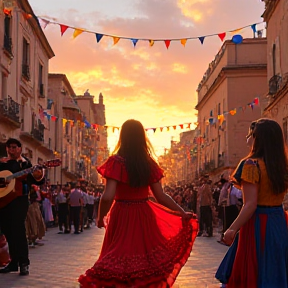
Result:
pixel 270 6
pixel 228 70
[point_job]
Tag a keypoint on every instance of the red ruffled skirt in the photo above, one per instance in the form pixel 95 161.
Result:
pixel 145 245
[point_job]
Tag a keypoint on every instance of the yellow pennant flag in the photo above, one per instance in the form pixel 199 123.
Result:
pixel 151 43
pixel 183 42
pixel 115 40
pixel 234 32
pixel 77 32
pixel 64 122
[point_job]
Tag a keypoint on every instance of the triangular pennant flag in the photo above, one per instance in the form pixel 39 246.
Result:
pixel 236 31
pixel 151 43
pixel 256 101
pixel 154 129
pixel 233 112
pixel 7 12
pixel 98 37
pixel 188 125
pixel 27 16
pixel 44 23
pixel 115 40
pixel 201 39
pixel 252 105
pixel 134 41
pixel 161 129
pixel 64 122
pixel 167 43
pixel 254 28
pixel 183 42
pixel 77 32
pixel 222 36
pixel 168 128
pixel 174 127
pixel 181 126
pixel 63 28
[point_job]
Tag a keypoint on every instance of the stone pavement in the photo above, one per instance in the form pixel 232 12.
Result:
pixel 62 258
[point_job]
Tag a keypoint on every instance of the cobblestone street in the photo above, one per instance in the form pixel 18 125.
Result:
pixel 62 258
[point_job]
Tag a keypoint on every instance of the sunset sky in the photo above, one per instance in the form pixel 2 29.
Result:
pixel 151 84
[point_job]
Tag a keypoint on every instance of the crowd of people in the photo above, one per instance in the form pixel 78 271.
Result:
pixel 66 206
pixel 248 209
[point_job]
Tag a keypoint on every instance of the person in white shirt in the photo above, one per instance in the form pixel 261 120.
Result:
pixel 76 201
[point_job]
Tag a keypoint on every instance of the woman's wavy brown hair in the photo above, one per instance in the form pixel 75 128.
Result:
pixel 269 145
pixel 134 146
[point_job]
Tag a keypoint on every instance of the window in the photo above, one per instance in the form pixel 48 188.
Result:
pixel 7 35
pixel 40 81
pixel 26 59
pixel 274 58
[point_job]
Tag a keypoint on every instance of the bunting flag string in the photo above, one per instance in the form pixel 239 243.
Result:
pixel 116 38
pixel 86 124
pixel 221 117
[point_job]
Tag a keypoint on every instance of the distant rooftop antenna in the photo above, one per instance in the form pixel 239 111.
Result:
pixel 87 93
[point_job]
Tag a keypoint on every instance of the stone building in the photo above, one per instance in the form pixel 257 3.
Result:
pixel 228 100
pixel 24 58
pixel 276 17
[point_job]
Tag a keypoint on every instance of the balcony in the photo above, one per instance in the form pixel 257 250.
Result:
pixel 38 133
pixel 9 111
pixel 274 84
pixel 26 72
pixel 8 47
pixel 209 166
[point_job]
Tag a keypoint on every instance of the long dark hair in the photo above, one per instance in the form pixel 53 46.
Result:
pixel 270 146
pixel 134 146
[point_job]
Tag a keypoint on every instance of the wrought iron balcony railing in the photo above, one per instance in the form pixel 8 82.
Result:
pixel 38 132
pixel 10 109
pixel 274 84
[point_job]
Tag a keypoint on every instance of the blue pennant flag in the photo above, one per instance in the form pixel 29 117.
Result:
pixel 98 37
pixel 201 39
pixel 134 41
pixel 254 28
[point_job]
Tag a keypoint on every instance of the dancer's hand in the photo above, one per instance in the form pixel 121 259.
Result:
pixel 100 223
pixel 186 216
pixel 229 237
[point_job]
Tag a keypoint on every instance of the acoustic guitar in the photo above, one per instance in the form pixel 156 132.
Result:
pixel 7 179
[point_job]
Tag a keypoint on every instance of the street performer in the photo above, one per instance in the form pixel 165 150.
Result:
pixel 14 206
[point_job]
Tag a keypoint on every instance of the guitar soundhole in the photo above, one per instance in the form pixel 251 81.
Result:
pixel 2 183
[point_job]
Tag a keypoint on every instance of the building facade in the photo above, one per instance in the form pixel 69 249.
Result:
pixel 228 100
pixel 276 17
pixel 24 80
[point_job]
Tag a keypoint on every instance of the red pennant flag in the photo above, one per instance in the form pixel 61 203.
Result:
pixel 188 125
pixel 222 36
pixel 256 101
pixel 7 12
pixel 161 129
pixel 174 127
pixel 63 29
pixel 27 16
pixel 167 43
pixel 181 126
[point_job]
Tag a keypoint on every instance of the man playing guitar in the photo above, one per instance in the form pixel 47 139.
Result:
pixel 14 206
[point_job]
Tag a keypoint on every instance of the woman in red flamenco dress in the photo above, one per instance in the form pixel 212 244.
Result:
pixel 146 243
